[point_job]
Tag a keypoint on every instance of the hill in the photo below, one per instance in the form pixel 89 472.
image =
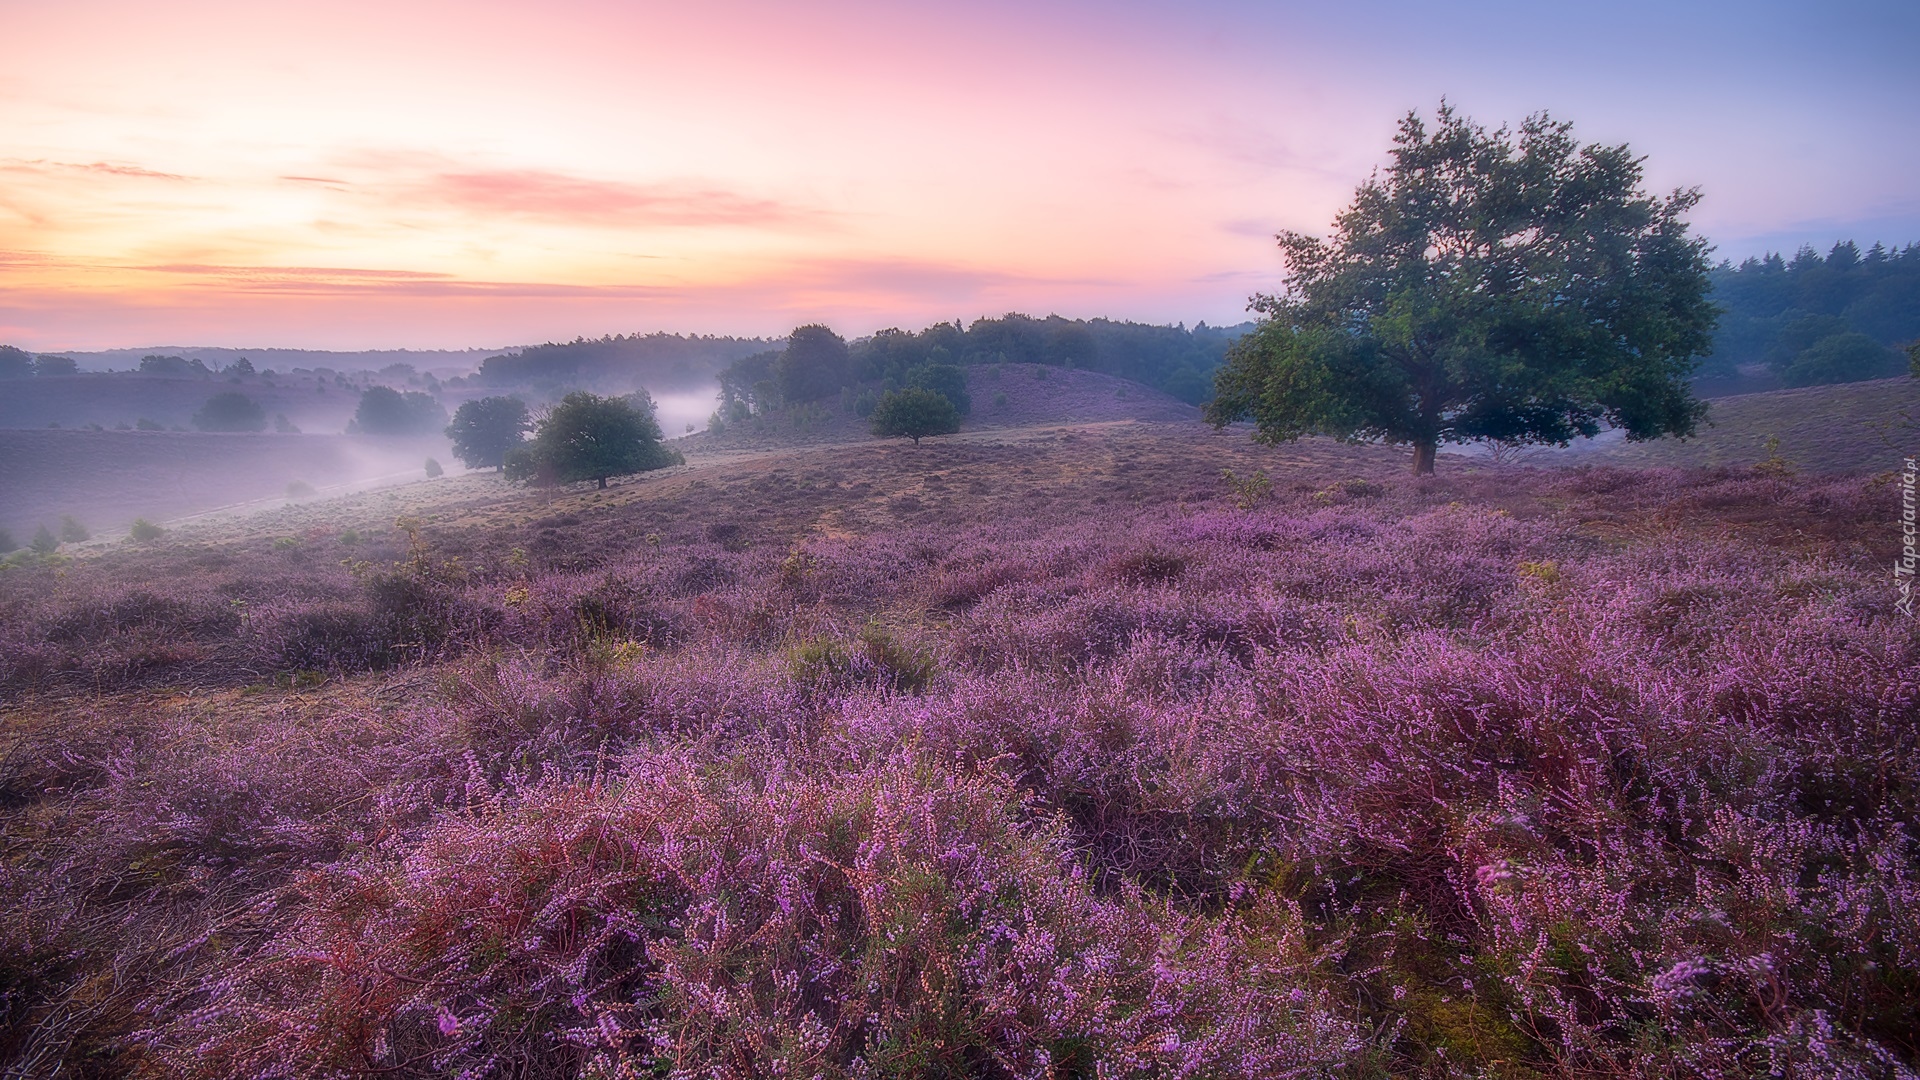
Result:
pixel 1847 427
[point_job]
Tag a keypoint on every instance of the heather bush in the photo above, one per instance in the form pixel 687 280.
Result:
pixel 691 919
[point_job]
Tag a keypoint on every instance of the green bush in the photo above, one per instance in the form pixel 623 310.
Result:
pixel 72 532
pixel 144 530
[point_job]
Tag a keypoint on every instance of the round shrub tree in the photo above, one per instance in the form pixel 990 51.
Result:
pixel 231 411
pixel 588 437
pixel 484 430
pixel 386 411
pixel 915 414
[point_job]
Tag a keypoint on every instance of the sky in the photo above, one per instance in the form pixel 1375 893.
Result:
pixel 462 173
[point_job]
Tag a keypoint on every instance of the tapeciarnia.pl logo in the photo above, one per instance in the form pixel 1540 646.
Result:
pixel 1903 566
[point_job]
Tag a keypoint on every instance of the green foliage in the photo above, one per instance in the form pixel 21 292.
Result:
pixel 44 542
pixel 1775 309
pixel 386 411
pixel 1248 491
pixel 1844 357
pixel 50 366
pixel 864 403
pixel 1188 385
pixel 947 380
pixel 915 414
pixel 588 437
pixel 144 530
pixel 485 430
pixel 1484 287
pixel 434 469
pixel 874 658
pixel 815 365
pixel 230 411
pixel 144 424
pixel 15 363
pixel 283 425
pixel 73 532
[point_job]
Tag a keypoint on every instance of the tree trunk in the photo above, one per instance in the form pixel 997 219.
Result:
pixel 1423 451
pixel 603 480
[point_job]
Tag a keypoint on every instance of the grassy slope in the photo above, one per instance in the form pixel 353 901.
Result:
pixel 1849 427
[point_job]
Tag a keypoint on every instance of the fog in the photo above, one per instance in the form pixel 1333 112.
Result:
pixel 106 479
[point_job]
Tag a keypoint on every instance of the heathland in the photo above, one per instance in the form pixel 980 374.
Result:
pixel 1096 744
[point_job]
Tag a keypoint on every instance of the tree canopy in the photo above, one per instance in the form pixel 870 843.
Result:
pixel 230 411
pixel 15 363
pixel 914 413
pixel 588 437
pixel 386 411
pixel 816 364
pixel 1512 287
pixel 484 430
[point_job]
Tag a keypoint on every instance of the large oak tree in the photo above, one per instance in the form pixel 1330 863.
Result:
pixel 1502 286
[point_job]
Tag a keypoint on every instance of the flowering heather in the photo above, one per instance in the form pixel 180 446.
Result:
pixel 1596 773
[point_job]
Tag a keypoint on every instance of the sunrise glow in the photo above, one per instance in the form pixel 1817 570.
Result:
pixel 440 174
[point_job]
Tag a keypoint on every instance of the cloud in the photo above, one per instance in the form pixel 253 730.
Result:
pixel 558 197
pixel 361 281
pixel 99 168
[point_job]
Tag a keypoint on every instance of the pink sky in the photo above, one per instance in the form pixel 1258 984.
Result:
pixel 437 174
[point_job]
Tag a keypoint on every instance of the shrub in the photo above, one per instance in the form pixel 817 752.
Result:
pixel 144 424
pixel 72 532
pixel 386 411
pixel 230 412
pixel 7 542
pixel 44 542
pixel 434 469
pixel 144 530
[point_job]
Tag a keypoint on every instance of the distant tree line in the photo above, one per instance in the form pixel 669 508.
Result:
pixel 17 363
pixel 1818 320
pixel 818 364
pixel 662 359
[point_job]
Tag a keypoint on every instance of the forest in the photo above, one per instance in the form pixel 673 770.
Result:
pixel 1813 320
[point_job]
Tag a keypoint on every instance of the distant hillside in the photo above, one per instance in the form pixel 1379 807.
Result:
pixel 1849 427
pixel 443 360
pixel 1004 396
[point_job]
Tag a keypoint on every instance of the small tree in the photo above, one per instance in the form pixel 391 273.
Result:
pixel 484 430
pixel 72 532
pixel 145 531
pixel 231 411
pixel 44 542
pixel 50 366
pixel 1483 288
pixel 914 413
pixel 386 411
pixel 588 437
pixel 7 542
pixel 434 469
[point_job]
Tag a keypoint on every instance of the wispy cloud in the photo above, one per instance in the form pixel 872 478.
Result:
pixel 559 197
pixel 43 167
